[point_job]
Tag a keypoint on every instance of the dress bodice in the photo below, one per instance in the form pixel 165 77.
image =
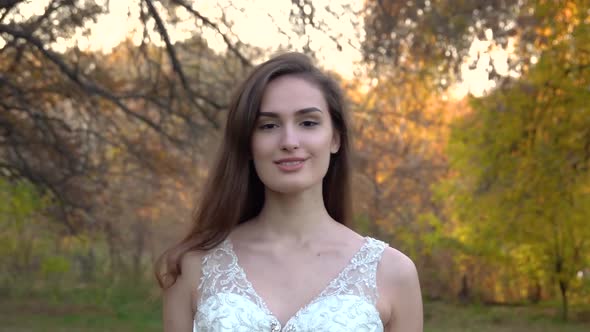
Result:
pixel 228 302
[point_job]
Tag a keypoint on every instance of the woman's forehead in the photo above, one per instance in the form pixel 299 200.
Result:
pixel 290 94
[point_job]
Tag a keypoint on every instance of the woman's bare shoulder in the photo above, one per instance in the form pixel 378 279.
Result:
pixel 190 272
pixel 397 268
pixel 399 286
pixel 180 298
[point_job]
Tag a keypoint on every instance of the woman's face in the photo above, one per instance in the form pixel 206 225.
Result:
pixel 293 137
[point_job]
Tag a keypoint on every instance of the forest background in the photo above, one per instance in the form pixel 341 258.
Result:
pixel 471 125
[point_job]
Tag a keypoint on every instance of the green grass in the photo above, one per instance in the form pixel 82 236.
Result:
pixel 443 317
pixel 116 308
pixel 136 307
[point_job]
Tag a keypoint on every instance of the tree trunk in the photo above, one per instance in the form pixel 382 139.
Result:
pixel 535 292
pixel 88 265
pixel 564 304
pixel 138 249
pixel 464 293
pixel 113 257
pixel 563 286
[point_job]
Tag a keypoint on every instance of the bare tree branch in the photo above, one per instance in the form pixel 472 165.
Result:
pixel 7 4
pixel 75 76
pixel 215 27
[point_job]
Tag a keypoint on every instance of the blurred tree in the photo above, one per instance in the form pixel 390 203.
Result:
pixel 438 34
pixel 117 140
pixel 61 113
pixel 522 161
pixel 428 42
pixel 23 232
pixel 400 130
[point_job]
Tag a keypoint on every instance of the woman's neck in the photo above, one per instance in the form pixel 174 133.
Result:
pixel 294 217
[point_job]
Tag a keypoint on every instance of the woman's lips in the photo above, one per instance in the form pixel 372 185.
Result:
pixel 290 164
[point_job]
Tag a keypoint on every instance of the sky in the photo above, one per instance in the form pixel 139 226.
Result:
pixel 257 22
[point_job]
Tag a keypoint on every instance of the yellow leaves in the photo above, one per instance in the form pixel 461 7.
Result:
pixel 380 177
pixel 558 19
pixel 521 184
pixel 569 13
pixel 545 31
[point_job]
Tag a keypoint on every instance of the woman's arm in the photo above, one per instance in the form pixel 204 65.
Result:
pixel 403 292
pixel 179 299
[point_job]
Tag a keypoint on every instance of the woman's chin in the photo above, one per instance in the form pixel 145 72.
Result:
pixel 290 188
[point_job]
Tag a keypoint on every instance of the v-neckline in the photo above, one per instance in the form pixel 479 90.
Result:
pixel 277 325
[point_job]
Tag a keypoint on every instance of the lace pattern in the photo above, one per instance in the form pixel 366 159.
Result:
pixel 359 277
pixel 229 302
pixel 222 274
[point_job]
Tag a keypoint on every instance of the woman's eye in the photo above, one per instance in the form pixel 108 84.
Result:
pixel 309 123
pixel 267 126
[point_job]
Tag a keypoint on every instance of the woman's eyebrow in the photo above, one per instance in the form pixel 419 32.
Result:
pixel 299 112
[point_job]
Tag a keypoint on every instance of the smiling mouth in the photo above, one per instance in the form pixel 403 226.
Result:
pixel 291 163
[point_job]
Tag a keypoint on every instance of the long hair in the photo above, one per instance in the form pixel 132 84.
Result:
pixel 234 193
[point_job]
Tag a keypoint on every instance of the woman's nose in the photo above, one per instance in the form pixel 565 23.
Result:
pixel 289 139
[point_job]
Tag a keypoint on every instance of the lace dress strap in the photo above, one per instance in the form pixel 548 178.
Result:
pixel 371 261
pixel 220 273
pixel 360 276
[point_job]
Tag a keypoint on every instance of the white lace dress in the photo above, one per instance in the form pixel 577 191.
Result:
pixel 228 301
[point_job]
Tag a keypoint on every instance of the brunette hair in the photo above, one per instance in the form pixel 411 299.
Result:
pixel 234 193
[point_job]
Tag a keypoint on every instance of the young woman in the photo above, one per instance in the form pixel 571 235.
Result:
pixel 269 249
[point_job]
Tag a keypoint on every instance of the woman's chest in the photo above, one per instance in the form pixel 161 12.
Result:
pixel 337 313
pixel 295 293
pixel 298 277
